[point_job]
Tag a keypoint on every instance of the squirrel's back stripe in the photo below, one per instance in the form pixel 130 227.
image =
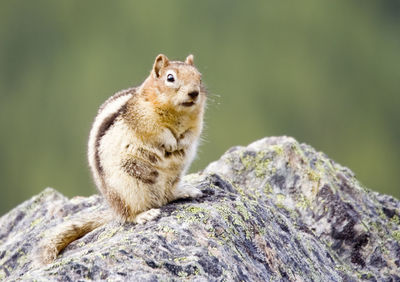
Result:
pixel 116 96
pixel 104 126
pixel 107 115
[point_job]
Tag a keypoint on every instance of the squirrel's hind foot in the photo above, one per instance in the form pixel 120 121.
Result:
pixel 184 191
pixel 147 216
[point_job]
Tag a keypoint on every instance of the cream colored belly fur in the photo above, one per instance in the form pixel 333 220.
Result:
pixel 120 143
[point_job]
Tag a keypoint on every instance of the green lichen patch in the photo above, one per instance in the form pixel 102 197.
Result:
pixel 278 149
pixel 257 162
pixel 2 274
pixel 262 166
pixel 242 210
pixel 108 233
pixel 36 222
pixel 236 217
pixel 192 214
pixel 279 200
pixel 395 219
pixel 302 202
pixel 247 159
pixel 167 229
pixel 396 235
pixel 267 189
pixel 313 176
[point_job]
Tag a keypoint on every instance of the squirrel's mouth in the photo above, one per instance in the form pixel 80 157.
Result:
pixel 188 104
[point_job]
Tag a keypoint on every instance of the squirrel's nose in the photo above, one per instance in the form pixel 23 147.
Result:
pixel 193 94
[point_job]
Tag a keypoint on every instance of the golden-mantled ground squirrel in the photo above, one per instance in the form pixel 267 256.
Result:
pixel 142 141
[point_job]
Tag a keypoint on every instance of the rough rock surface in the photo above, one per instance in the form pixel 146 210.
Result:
pixel 275 210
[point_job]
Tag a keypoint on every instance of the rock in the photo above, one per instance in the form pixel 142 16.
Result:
pixel 274 210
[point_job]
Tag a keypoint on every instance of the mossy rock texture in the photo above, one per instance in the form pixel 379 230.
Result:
pixel 276 210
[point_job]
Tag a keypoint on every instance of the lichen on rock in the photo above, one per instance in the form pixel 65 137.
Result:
pixel 274 210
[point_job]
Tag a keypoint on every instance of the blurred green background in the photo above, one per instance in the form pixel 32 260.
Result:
pixel 324 72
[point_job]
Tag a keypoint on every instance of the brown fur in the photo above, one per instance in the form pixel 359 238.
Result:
pixel 148 155
pixel 61 236
pixel 119 205
pixel 140 170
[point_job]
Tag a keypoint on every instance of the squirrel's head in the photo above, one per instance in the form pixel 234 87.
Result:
pixel 175 84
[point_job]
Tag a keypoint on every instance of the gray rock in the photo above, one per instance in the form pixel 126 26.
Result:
pixel 274 210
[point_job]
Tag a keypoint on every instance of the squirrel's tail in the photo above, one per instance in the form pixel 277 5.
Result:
pixel 61 236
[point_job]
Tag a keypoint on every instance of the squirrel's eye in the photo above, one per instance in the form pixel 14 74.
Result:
pixel 170 78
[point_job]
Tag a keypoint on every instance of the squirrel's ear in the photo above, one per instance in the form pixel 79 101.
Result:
pixel 189 60
pixel 160 63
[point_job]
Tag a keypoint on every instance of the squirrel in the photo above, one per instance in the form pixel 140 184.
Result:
pixel 142 142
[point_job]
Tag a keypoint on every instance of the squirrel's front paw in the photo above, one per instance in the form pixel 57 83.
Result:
pixel 183 144
pixel 168 141
pixel 185 140
pixel 170 146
